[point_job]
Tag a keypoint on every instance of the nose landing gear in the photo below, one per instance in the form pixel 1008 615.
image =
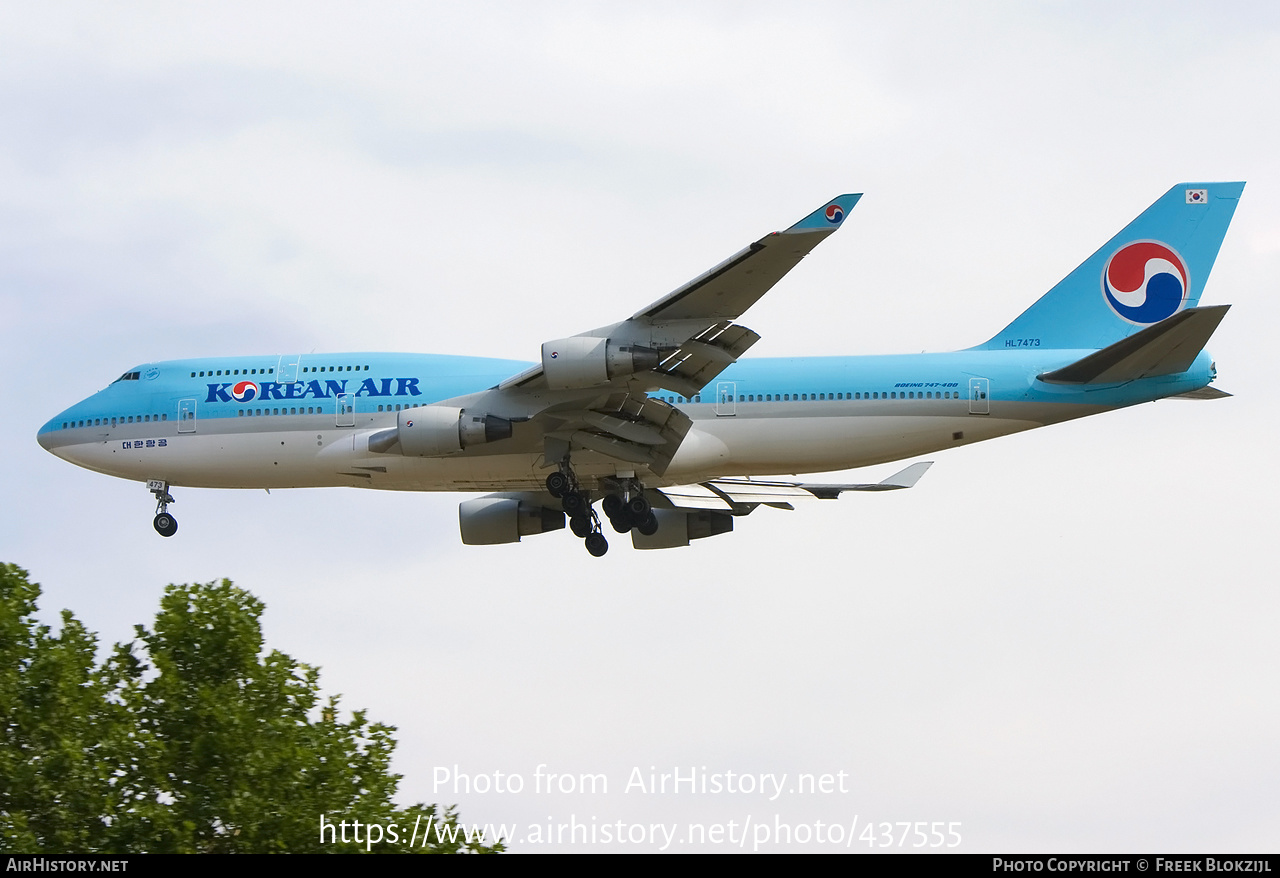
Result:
pixel 165 524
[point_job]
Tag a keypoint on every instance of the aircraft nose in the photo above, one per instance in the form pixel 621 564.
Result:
pixel 48 439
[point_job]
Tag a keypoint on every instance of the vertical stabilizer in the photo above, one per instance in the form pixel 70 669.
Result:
pixel 1154 268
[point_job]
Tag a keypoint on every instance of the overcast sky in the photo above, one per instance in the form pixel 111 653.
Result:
pixel 1063 640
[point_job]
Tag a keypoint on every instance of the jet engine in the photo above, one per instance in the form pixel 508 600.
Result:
pixel 437 430
pixel 492 520
pixel 676 527
pixel 584 361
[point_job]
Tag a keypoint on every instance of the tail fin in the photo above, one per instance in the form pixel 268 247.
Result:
pixel 1154 268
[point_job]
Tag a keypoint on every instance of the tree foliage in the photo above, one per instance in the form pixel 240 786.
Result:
pixel 190 738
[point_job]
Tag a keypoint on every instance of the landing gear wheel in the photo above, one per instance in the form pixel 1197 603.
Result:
pixel 557 485
pixel 621 522
pixel 573 503
pixel 638 506
pixel 596 544
pixel 649 526
pixel 581 525
pixel 165 524
pixel 611 504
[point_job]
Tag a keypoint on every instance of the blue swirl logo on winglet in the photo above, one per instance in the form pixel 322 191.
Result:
pixel 1145 282
pixel 835 213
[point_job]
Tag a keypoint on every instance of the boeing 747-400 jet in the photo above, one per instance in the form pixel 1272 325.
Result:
pixel 658 418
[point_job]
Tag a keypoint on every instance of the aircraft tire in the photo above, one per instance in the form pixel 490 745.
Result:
pixel 621 522
pixel 638 506
pixel 580 525
pixel 557 485
pixel 597 545
pixel 611 504
pixel 165 524
pixel 572 503
pixel 649 526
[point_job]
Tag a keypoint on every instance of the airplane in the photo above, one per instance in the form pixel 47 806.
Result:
pixel 657 417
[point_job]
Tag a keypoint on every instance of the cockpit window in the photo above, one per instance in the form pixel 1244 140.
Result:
pixel 128 376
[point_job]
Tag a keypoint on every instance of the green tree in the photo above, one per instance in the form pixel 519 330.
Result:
pixel 189 739
pixel 53 775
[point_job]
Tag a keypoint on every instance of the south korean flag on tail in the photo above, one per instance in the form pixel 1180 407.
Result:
pixel 1197 196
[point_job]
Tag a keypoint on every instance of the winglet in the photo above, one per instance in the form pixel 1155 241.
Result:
pixel 829 216
pixel 909 476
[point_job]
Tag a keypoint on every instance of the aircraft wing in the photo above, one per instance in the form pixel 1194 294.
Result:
pixel 592 390
pixel 733 286
pixel 688 337
pixel 743 495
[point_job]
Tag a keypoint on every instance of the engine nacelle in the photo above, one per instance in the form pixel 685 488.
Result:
pixel 490 521
pixel 438 430
pixel 676 527
pixel 584 361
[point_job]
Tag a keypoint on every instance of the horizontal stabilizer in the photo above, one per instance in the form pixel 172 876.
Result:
pixel 1203 393
pixel 1166 348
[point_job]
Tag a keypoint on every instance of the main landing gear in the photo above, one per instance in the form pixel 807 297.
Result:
pixel 165 524
pixel 625 510
pixel 583 521
pixel 630 510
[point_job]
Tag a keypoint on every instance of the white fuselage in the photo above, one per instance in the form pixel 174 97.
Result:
pixel 764 417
